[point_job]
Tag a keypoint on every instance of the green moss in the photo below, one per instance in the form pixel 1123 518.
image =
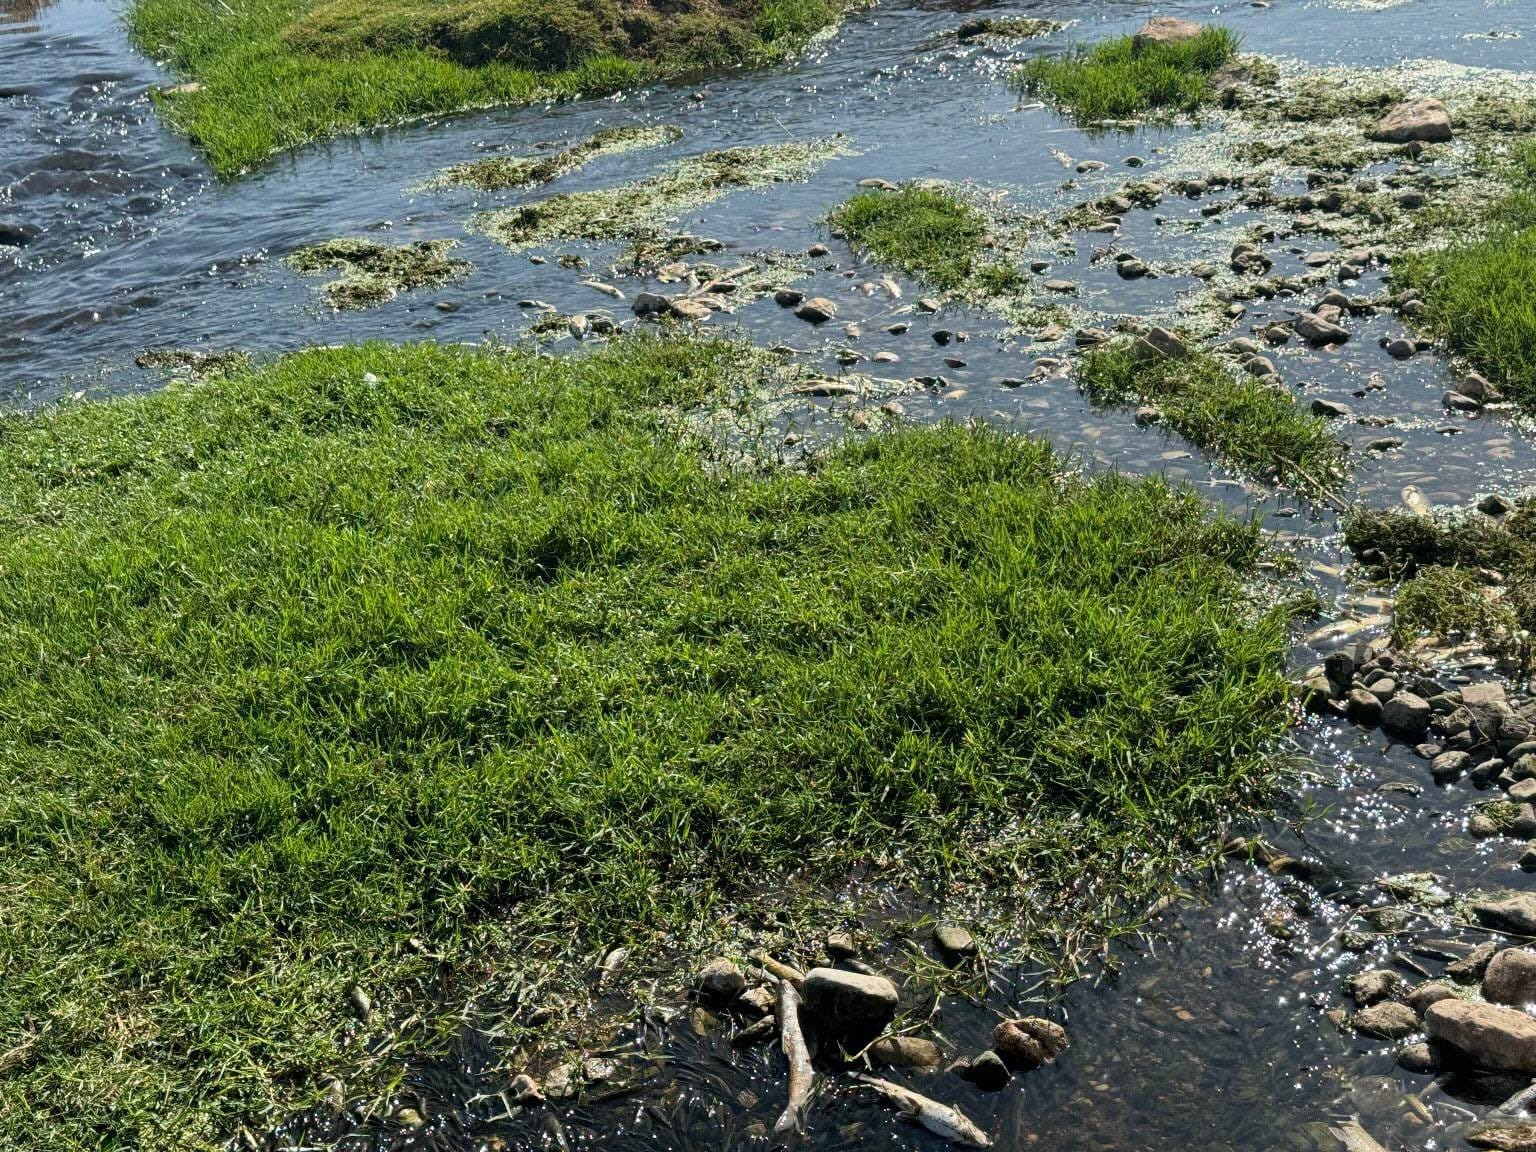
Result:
pixel 268 75
pixel 1117 79
pixel 469 649
pixel 639 211
pixel 496 172
pixel 1255 426
pixel 372 273
pixel 929 233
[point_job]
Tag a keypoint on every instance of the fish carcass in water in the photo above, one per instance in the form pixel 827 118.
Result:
pixel 940 1119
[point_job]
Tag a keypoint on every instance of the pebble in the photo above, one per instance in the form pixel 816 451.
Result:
pixel 955 940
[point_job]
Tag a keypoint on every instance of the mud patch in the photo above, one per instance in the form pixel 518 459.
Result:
pixel 641 210
pixel 372 273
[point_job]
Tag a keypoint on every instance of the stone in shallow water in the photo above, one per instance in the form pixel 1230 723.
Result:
pixel 1489 1035
pixel 1388 1021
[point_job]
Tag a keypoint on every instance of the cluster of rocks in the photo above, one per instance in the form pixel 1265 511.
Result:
pixel 1473 1016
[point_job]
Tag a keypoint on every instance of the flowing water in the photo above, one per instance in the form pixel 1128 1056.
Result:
pixel 1213 1036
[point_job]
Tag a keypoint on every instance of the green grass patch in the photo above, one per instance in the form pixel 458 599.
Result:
pixel 640 211
pixel 262 76
pixel 1476 294
pixel 372 274
pixel 1448 602
pixel 1254 426
pixel 1118 79
pixel 381 644
pixel 929 233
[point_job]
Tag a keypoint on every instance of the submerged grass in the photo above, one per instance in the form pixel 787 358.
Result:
pixel 373 273
pixel 262 76
pixel 929 233
pixel 1119 78
pixel 1477 295
pixel 328 673
pixel 497 172
pixel 639 211
pixel 1255 426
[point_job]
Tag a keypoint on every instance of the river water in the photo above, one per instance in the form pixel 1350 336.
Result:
pixel 1213 1035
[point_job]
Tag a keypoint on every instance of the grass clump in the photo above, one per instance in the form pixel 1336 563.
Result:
pixel 640 210
pixel 335 672
pixel 1449 601
pixel 497 172
pixel 1476 294
pixel 929 233
pixel 1006 28
pixel 1254 426
pixel 1119 78
pixel 262 76
pixel 373 274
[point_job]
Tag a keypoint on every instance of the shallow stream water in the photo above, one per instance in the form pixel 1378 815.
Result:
pixel 1211 1037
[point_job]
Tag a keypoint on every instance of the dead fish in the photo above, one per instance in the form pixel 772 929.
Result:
pixel 801 1074
pixel 612 962
pixel 1062 158
pixel 1417 502
pixel 891 286
pixel 1355 1138
pixel 940 1119
pixel 577 326
pixel 605 289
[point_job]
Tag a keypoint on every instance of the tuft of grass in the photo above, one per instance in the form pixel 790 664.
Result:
pixel 929 233
pixel 263 76
pixel 1255 426
pixel 373 273
pixel 1450 601
pixel 496 172
pixel 1476 294
pixel 331 673
pixel 1117 79
pixel 639 210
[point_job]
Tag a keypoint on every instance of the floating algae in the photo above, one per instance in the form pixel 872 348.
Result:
pixel 640 210
pixel 372 274
pixel 191 364
pixel 496 172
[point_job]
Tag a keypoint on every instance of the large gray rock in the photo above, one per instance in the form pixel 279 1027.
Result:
pixel 1423 120
pixel 1506 912
pixel 1489 1035
pixel 1406 715
pixel 1165 30
pixel 848 1007
pixel 1511 977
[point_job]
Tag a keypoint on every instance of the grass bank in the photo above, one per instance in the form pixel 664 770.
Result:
pixel 1476 294
pixel 384 666
pixel 931 234
pixel 1255 426
pixel 263 76
pixel 1120 78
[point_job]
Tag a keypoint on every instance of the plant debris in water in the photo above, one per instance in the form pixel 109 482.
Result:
pixel 641 210
pixel 1256 426
pixel 1121 78
pixel 189 362
pixel 373 273
pixel 1006 28
pixel 494 655
pixel 497 172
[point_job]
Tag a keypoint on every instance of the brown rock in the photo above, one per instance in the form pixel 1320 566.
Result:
pixel 1388 1021
pixel 1165 30
pixel 1511 977
pixel 1489 1035
pixel 1028 1042
pixel 1426 121
pixel 906 1052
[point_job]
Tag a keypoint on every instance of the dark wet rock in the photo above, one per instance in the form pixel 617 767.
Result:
pixel 1417 1058
pixel 788 297
pixel 1261 366
pixel 942 336
pixel 1503 1136
pixel 758 1001
pixel 1454 401
pixel 1511 977
pixel 906 1052
pixel 1375 985
pixel 1487 1035
pixel 1400 348
pixel 1363 707
pixel 849 1006
pixel 928 304
pixel 1477 387
pixel 1506 912
pixel 1317 695
pixel 987 1071
pixel 1148 414
pixel 1528 858
pixel 816 250
pixel 1449 767
pixel 841 945
pixel 16 235
pixel 720 981
pixel 1330 409
pixel 1029 1042
pixel 1131 269
pixel 954 940
pixel 1421 996
pixel 816 310
pixel 1495 505
pixel 651 304
pixel 1247 258
pixel 1387 1021
pixel 1406 715
pixel 1422 121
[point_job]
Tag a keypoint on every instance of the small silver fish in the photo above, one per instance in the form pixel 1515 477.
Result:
pixel 940 1119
